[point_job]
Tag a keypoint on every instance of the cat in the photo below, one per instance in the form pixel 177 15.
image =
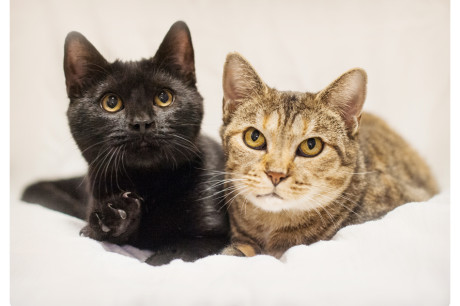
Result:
pixel 300 166
pixel 151 179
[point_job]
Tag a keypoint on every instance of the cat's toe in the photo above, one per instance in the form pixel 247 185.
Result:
pixel 125 206
pixel 89 232
pixel 85 232
pixel 130 195
pixel 103 227
pixel 121 212
pixel 96 228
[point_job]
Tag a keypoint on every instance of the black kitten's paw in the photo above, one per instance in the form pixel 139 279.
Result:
pixel 187 249
pixel 166 255
pixel 162 257
pixel 115 219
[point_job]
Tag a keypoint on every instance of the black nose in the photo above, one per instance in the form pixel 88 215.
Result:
pixel 140 126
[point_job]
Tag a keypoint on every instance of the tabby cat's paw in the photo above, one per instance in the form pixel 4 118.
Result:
pixel 116 217
pixel 240 249
pixel 232 251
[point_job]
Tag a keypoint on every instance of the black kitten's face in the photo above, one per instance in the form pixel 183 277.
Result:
pixel 137 114
pixel 148 114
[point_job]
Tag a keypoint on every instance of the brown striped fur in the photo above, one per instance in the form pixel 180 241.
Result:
pixel 364 170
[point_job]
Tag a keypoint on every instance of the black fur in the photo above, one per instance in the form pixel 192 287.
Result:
pixel 151 175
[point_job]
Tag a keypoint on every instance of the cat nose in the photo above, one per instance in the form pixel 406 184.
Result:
pixel 141 125
pixel 276 177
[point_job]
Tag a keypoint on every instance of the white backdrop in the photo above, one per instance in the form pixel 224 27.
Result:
pixel 294 45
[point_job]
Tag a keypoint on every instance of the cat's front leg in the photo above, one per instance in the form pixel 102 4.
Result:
pixel 115 219
pixel 243 249
pixel 187 249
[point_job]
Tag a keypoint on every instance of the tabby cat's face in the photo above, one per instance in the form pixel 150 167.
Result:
pixel 285 150
pixel 147 113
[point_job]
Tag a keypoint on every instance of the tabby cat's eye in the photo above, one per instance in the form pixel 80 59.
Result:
pixel 164 98
pixel 111 103
pixel 310 147
pixel 254 139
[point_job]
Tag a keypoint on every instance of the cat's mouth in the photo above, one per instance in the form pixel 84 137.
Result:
pixel 144 144
pixel 149 143
pixel 269 195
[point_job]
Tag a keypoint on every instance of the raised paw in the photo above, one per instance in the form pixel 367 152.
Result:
pixel 114 219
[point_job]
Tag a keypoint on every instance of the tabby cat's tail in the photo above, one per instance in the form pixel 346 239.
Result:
pixel 67 196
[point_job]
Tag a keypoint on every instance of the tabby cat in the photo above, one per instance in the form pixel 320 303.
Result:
pixel 300 166
pixel 151 177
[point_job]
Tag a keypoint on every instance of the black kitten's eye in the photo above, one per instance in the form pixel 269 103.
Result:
pixel 254 139
pixel 310 147
pixel 164 98
pixel 111 103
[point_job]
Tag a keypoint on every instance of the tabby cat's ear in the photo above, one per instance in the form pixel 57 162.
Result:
pixel 347 94
pixel 82 62
pixel 240 81
pixel 176 52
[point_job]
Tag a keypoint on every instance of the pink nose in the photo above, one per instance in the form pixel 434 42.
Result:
pixel 276 177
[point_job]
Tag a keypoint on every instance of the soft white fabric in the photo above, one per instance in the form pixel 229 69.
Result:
pixel 402 259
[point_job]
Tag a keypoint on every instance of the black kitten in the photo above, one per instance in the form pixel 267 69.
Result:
pixel 151 172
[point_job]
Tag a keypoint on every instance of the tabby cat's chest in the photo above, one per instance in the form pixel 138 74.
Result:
pixel 277 232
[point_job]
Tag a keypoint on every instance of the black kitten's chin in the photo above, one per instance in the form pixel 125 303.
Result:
pixel 144 143
pixel 152 154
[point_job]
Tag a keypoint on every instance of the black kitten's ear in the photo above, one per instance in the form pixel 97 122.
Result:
pixel 346 95
pixel 82 62
pixel 176 52
pixel 240 81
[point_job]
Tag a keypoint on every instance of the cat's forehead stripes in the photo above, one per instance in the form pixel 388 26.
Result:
pixel 280 124
pixel 271 121
pixel 289 118
pixel 299 125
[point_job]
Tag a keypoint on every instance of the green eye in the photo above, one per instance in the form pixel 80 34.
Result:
pixel 111 103
pixel 254 139
pixel 164 98
pixel 310 147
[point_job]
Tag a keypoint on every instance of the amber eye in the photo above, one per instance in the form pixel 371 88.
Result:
pixel 111 103
pixel 254 139
pixel 310 147
pixel 164 98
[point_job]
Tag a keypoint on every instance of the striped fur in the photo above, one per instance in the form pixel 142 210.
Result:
pixel 364 170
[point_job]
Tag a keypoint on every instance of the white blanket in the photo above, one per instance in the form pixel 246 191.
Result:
pixel 402 259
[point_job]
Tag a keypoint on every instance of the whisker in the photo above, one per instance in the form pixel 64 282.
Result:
pixel 342 195
pixel 183 154
pixel 95 144
pixel 342 204
pixel 186 147
pixel 366 172
pixel 187 141
pixel 99 166
pixel 222 182
pixel 321 217
pixel 109 161
pixel 230 202
pixel 117 166
pixel 219 192
pixel 123 164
